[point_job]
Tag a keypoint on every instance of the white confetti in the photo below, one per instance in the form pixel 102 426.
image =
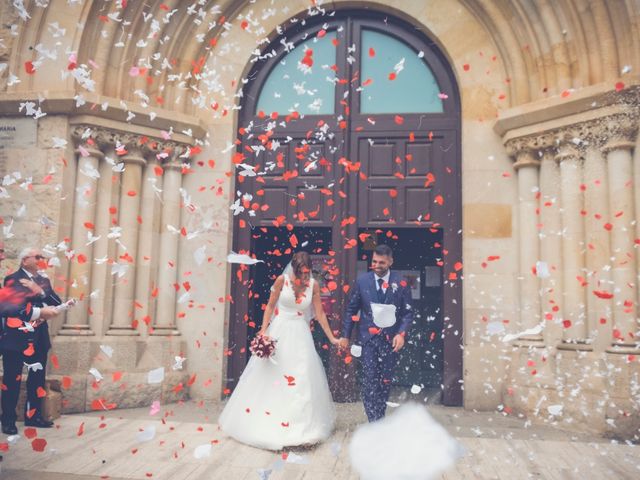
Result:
pixel 202 451
pixel 242 258
pixel 147 434
pixel 156 375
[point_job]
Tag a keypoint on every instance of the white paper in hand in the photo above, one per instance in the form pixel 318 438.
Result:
pixel 408 444
pixel 356 350
pixel 384 316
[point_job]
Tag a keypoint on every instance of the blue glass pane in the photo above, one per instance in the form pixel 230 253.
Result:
pixel 394 78
pixel 303 80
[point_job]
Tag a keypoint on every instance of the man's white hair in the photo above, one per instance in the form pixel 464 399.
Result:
pixel 26 252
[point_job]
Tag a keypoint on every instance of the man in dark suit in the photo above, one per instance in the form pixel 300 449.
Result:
pixel 379 344
pixel 25 339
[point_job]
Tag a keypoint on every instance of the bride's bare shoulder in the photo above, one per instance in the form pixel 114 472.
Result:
pixel 279 282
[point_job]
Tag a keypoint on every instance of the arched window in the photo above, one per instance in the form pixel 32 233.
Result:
pixel 303 81
pixel 395 78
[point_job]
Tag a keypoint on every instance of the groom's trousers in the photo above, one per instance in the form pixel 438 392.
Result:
pixel 378 363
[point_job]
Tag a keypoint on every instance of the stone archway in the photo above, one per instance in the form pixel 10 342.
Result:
pixel 352 171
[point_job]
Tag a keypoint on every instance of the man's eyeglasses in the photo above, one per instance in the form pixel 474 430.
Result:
pixel 37 257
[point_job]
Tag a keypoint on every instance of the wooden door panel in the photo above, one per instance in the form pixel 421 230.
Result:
pixel 378 206
pixel 379 159
pixel 311 207
pixel 406 178
pixel 275 198
pixel 291 171
pixel 417 203
pixel 418 159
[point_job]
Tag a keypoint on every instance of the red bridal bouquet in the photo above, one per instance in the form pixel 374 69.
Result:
pixel 262 346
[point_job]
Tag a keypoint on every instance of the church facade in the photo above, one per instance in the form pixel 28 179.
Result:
pixel 171 156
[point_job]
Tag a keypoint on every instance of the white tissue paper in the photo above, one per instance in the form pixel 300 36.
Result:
pixel 156 375
pixel 147 434
pixel 407 444
pixel 242 258
pixel 384 315
pixel 202 451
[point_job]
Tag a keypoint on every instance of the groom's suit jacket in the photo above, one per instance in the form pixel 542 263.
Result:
pixel 364 294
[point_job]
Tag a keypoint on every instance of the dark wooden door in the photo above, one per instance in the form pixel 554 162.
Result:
pixel 351 171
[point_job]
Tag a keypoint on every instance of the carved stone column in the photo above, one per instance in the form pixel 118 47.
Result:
pixel 165 323
pixel 551 248
pixel 129 208
pixel 572 204
pixel 623 217
pixel 101 278
pixel 527 167
pixel 149 221
pixel 598 248
pixel 88 157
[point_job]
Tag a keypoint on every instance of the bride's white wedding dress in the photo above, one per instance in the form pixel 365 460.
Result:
pixel 283 401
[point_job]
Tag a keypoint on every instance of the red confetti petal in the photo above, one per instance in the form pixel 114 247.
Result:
pixel 39 444
pixel 602 294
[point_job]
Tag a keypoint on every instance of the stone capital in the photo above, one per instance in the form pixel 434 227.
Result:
pixel 134 155
pixel 567 151
pixel 526 158
pixel 530 143
pixel 617 143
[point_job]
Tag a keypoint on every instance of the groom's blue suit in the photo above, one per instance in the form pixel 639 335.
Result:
pixel 378 358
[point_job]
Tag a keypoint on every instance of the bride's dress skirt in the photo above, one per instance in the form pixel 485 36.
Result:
pixel 283 401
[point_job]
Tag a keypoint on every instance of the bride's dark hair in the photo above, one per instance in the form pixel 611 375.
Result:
pixel 299 261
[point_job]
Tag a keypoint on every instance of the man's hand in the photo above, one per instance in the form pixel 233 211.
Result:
pixel 398 342
pixel 33 286
pixel 48 312
pixel 343 343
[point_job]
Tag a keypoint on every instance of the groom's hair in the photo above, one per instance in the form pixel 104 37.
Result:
pixel 383 249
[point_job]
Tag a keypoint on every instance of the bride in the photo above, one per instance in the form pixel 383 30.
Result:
pixel 285 400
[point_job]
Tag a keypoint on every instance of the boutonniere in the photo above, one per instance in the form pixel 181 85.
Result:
pixel 394 287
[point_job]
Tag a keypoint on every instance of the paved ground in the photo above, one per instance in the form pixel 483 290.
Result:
pixel 105 445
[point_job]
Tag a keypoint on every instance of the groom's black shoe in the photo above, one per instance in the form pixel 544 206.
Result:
pixel 38 422
pixel 9 429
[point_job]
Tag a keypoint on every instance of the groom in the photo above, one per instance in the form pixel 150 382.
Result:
pixel 379 345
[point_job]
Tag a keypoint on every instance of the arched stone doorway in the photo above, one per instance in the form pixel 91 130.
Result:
pixel 350 135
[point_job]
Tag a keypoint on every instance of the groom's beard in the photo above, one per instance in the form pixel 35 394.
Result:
pixel 380 273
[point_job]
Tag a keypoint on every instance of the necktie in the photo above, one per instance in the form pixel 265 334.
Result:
pixel 380 291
